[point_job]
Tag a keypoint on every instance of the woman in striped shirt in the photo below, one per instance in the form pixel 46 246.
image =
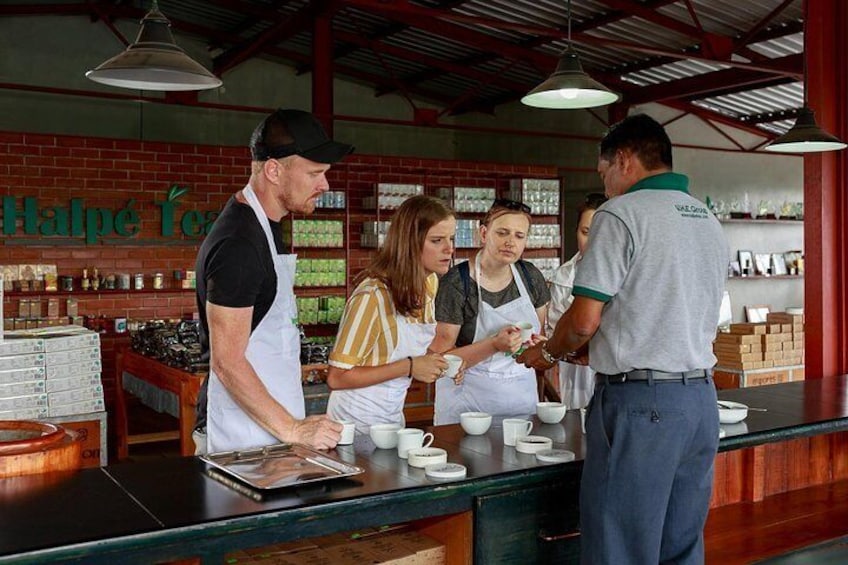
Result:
pixel 389 320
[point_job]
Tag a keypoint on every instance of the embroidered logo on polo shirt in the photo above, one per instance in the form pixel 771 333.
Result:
pixel 689 211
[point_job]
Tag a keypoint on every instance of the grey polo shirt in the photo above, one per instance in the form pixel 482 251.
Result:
pixel 657 258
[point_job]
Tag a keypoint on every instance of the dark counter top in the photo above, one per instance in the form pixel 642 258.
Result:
pixel 793 410
pixel 155 510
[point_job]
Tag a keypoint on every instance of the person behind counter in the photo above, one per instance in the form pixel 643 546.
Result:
pixel 576 382
pixel 647 294
pixel 477 310
pixel 245 293
pixel 389 320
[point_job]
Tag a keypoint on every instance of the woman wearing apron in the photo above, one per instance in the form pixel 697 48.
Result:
pixel 389 320
pixel 477 308
pixel 576 382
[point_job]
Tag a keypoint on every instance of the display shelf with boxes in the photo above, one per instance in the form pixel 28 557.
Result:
pixel 767 263
pixel 388 196
pixel 541 195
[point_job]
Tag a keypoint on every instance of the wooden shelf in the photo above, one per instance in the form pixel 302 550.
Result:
pixel 761 277
pixel 93 293
pixel 323 289
pixel 761 221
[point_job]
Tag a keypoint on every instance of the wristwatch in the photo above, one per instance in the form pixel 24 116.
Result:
pixel 546 355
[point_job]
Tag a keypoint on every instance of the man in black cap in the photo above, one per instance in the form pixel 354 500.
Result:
pixel 245 296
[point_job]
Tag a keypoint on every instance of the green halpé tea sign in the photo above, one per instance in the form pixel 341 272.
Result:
pixel 93 223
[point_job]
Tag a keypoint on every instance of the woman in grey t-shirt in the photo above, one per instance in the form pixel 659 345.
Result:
pixel 480 302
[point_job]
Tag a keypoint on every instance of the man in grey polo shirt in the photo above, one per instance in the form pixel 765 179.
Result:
pixel 647 295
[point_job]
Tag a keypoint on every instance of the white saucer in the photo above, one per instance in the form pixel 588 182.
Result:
pixel 533 444
pixel 445 471
pixel 423 456
pixel 555 456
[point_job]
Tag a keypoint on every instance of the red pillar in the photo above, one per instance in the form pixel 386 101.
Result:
pixel 825 185
pixel 322 71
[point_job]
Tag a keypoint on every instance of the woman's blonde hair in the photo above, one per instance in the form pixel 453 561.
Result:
pixel 398 262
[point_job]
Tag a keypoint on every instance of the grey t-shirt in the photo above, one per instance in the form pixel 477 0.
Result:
pixel 658 258
pixel 454 307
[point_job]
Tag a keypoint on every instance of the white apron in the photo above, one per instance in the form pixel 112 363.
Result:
pixel 383 402
pixel 497 385
pixel 576 384
pixel 274 352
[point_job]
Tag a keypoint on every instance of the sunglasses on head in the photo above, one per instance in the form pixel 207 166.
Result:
pixel 511 205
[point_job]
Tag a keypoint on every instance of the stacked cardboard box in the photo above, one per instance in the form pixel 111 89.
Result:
pixel 395 546
pixel 23 387
pixel 793 350
pixel 68 380
pixel 778 342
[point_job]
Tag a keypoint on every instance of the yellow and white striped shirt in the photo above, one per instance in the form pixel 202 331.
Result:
pixel 368 331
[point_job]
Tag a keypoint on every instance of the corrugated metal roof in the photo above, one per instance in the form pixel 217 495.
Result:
pixel 487 52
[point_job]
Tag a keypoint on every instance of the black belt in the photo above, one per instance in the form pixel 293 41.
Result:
pixel 650 375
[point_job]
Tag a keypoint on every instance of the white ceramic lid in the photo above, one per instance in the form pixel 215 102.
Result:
pixel 445 471
pixel 532 444
pixel 555 456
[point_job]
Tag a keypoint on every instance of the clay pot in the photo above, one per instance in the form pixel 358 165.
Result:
pixel 28 447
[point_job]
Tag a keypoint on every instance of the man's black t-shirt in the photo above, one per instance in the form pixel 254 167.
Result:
pixel 235 269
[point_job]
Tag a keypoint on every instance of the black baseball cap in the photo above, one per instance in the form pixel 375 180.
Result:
pixel 295 132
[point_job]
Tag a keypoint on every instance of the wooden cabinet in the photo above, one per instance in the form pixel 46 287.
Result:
pixel 529 525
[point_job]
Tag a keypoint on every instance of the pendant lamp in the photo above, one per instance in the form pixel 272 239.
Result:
pixel 569 87
pixel 154 61
pixel 805 137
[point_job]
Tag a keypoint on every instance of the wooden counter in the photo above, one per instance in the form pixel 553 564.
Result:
pixel 172 509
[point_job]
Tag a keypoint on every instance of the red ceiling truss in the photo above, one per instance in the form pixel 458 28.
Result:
pixel 476 55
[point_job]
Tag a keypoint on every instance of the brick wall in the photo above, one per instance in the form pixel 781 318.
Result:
pixel 108 173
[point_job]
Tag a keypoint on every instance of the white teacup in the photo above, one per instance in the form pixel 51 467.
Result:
pixel 550 412
pixel 411 438
pixel 526 331
pixel 384 436
pixel 348 431
pixel 454 363
pixel 514 429
pixel 475 423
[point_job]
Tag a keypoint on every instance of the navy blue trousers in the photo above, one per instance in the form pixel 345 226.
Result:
pixel 648 472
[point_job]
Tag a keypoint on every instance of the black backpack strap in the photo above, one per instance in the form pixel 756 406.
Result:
pixel 465 276
pixel 522 264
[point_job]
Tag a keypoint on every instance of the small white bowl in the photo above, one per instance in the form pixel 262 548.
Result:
pixel 731 412
pixel 533 444
pixel 423 456
pixel 475 423
pixel 384 436
pixel 551 412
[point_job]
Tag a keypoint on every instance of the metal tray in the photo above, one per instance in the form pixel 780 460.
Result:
pixel 280 465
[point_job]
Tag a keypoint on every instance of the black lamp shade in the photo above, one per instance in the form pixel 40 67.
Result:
pixel 154 62
pixel 805 137
pixel 569 87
